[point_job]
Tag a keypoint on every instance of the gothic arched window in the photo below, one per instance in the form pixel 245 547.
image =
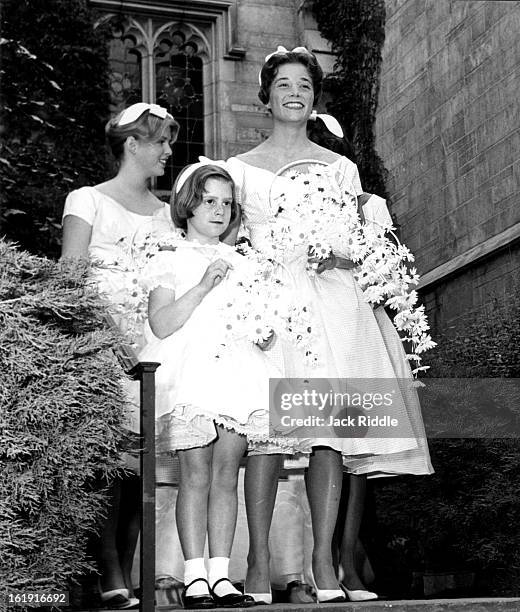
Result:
pixel 125 67
pixel 157 61
pixel 179 87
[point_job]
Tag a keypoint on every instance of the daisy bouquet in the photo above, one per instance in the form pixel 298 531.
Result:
pixel 258 305
pixel 320 219
pixel 325 220
pixel 121 281
pixel 255 303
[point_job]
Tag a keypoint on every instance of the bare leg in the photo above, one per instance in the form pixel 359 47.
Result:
pixel 108 557
pixel 228 450
pixel 350 540
pixel 191 511
pixel 324 481
pixel 261 484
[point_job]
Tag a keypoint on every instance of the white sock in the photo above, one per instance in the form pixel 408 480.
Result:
pixel 193 569
pixel 217 569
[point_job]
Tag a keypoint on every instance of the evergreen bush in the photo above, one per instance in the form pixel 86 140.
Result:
pixel 61 410
pixel 55 104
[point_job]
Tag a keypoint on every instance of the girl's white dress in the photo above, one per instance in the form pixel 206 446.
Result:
pixel 353 340
pixel 201 383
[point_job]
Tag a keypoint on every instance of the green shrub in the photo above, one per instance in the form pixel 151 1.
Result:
pixel 54 107
pixel 60 419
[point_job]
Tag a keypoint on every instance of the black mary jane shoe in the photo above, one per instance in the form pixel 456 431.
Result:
pixel 197 602
pixel 231 600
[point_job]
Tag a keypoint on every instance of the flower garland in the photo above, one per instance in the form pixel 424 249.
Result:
pixel 324 220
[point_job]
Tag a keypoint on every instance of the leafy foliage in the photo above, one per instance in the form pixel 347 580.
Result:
pixel 355 28
pixel 60 421
pixel 461 517
pixel 55 104
pixel 487 344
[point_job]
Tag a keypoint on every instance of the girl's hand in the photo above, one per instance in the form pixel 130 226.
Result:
pixel 214 274
pixel 266 344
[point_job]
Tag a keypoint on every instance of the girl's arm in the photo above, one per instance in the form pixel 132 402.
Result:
pixel 166 314
pixel 76 237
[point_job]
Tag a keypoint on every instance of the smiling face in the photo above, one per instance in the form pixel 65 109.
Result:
pixel 153 155
pixel 291 96
pixel 211 218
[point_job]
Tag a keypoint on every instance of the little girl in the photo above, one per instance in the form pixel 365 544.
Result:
pixel 211 395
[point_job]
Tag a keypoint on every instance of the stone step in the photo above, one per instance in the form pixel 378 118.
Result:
pixel 492 604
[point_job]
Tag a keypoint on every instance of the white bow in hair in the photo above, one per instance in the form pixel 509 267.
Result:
pixel 281 50
pixel 331 123
pixel 203 161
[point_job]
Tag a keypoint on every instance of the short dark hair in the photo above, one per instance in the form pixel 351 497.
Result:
pixel 270 70
pixel 146 127
pixel 190 194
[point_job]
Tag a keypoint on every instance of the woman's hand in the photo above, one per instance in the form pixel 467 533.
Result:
pixel 266 344
pixel 214 274
pixel 323 264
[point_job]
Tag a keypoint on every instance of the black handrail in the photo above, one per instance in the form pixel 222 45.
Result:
pixel 144 372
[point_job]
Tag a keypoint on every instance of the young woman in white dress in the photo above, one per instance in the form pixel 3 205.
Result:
pixel 348 334
pixel 96 222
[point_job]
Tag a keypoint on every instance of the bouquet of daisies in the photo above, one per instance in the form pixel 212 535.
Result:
pixel 121 281
pixel 259 305
pixel 324 220
pixel 256 306
pixel 320 218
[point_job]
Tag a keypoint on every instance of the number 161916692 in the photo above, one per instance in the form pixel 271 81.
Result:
pixel 36 599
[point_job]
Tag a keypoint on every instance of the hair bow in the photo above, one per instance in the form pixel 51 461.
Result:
pixel 281 50
pixel 203 161
pixel 331 123
pixel 133 112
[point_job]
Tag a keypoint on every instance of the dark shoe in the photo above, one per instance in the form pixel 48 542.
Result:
pixel 231 600
pixel 299 593
pixel 197 602
pixel 117 599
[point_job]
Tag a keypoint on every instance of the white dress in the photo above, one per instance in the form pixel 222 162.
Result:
pixel 114 229
pixel 200 383
pixel 353 341
pixel 113 226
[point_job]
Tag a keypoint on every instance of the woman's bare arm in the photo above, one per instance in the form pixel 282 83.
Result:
pixel 76 237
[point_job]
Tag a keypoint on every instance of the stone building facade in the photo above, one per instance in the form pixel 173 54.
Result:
pixel 447 122
pixel 448 132
pixel 201 59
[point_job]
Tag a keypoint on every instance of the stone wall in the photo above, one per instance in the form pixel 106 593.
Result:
pixel 447 130
pixel 262 26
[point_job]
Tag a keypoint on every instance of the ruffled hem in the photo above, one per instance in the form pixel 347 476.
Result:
pixel 185 427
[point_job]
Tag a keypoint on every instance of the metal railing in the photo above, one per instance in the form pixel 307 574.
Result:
pixel 144 372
